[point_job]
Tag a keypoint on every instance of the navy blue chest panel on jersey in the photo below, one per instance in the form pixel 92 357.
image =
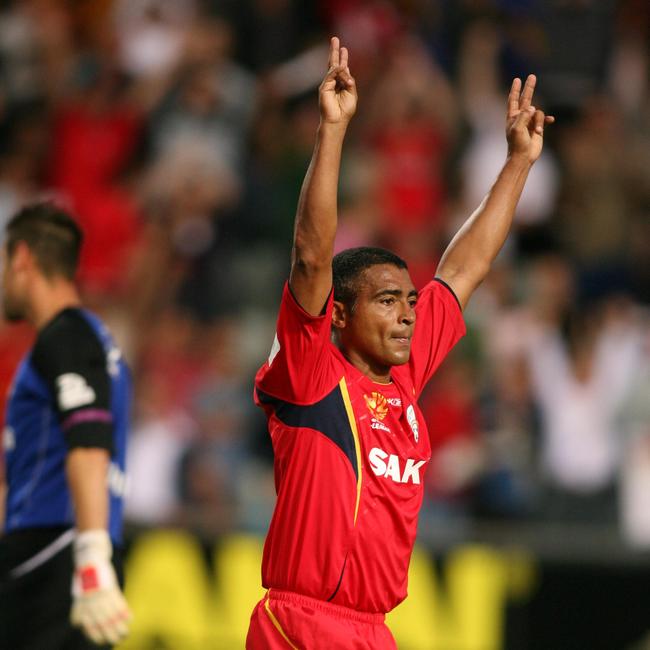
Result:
pixel 328 416
pixel 72 389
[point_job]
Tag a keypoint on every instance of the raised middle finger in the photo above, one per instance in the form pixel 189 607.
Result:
pixel 334 52
pixel 527 93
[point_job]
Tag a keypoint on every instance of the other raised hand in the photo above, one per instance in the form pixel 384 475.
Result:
pixel 524 122
pixel 338 91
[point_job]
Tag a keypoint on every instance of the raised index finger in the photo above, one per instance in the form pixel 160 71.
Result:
pixel 513 97
pixel 334 52
pixel 527 94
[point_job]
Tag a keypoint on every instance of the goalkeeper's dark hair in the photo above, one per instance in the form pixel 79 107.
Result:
pixel 51 234
pixel 349 265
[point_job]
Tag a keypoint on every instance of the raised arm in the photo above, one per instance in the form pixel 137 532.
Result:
pixel 316 217
pixel 468 257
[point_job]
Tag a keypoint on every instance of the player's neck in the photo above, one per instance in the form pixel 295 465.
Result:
pixel 49 297
pixel 378 373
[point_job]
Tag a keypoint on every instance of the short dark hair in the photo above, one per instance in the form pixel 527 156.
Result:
pixel 51 234
pixel 348 265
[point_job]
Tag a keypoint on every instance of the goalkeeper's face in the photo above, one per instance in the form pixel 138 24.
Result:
pixel 13 293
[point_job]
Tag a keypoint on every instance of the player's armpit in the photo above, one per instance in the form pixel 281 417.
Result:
pixel 311 286
pixel 461 285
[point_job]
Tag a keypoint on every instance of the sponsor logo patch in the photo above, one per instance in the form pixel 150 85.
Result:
pixel 390 466
pixel 376 424
pixel 74 391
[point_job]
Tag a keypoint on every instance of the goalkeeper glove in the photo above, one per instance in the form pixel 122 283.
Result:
pixel 98 606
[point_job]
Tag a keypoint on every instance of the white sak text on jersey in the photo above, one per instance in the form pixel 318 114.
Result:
pixel 388 466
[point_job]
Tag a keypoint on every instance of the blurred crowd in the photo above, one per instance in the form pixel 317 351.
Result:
pixel 178 132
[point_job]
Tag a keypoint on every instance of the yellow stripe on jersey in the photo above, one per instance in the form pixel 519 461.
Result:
pixel 276 623
pixel 355 434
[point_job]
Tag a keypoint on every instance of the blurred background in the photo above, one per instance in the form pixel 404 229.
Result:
pixel 178 132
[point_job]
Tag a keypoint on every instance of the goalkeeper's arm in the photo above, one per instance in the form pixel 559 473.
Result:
pixel 98 608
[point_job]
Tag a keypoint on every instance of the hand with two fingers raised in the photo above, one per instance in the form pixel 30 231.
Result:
pixel 524 122
pixel 338 91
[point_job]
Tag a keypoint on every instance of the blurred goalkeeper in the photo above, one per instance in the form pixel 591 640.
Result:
pixel 64 444
pixel 355 345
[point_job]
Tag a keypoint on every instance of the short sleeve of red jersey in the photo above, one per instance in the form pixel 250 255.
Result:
pixel 438 327
pixel 301 367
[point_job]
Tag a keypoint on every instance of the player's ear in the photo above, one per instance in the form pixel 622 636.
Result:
pixel 21 257
pixel 339 315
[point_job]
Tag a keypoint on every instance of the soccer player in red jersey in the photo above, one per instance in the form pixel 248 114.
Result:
pixel 350 443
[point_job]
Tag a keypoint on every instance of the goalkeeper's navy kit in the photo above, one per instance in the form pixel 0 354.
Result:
pixel 350 455
pixel 71 390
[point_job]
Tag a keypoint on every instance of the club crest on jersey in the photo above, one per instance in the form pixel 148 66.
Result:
pixel 377 405
pixel 413 421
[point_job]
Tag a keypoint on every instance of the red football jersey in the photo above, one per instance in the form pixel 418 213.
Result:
pixel 350 455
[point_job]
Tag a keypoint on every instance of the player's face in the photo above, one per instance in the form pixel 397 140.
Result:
pixel 12 305
pixel 378 331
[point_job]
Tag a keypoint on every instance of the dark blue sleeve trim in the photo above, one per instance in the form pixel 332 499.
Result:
pixel 323 310
pixel 451 291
